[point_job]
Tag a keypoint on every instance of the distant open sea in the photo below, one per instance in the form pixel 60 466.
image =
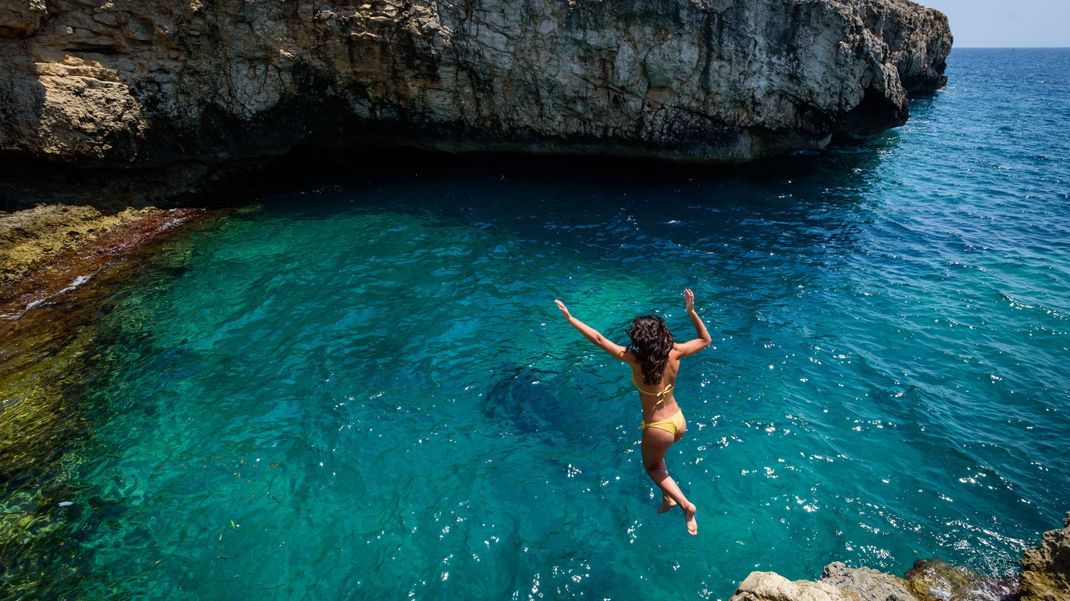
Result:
pixel 362 390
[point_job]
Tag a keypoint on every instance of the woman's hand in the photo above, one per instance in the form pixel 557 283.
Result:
pixel 564 310
pixel 693 346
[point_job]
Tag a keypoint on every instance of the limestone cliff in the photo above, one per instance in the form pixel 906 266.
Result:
pixel 146 82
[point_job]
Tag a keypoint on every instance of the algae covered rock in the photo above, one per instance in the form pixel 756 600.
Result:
pixel 29 238
pixel 935 580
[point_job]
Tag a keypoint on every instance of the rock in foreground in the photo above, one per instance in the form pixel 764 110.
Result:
pixel 149 83
pixel 1045 577
pixel 839 583
pixel 1046 570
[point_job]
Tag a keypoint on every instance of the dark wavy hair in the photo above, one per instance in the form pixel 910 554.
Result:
pixel 651 343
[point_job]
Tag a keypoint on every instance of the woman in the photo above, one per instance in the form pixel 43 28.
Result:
pixel 655 361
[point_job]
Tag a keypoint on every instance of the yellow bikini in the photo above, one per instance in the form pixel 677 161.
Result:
pixel 674 424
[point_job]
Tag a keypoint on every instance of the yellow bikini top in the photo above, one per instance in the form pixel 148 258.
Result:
pixel 660 395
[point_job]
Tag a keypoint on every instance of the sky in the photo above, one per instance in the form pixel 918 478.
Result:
pixel 1006 23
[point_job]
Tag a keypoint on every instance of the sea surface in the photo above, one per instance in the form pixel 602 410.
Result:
pixel 361 388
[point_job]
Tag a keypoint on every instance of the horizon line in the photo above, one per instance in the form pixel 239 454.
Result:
pixel 953 47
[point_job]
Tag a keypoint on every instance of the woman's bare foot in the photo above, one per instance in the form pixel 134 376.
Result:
pixel 692 525
pixel 666 504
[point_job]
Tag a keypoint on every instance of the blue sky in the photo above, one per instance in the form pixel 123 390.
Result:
pixel 1016 23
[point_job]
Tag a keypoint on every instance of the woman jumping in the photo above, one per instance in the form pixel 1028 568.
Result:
pixel 655 362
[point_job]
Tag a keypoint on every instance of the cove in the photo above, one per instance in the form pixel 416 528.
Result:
pixel 363 388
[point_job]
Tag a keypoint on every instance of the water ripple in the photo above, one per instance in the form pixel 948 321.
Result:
pixel 371 394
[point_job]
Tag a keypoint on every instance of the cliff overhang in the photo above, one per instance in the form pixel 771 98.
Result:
pixel 150 84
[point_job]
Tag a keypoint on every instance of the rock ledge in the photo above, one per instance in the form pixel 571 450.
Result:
pixel 147 83
pixel 1045 577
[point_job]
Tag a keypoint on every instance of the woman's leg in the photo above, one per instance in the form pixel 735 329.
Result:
pixel 667 502
pixel 655 443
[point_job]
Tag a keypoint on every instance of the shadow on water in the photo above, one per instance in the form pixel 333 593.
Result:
pixel 327 179
pixel 520 399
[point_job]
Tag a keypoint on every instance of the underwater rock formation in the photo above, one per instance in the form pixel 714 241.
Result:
pixel 935 580
pixel 50 250
pixel 150 83
pixel 29 238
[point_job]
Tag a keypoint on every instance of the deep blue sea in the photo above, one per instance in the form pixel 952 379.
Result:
pixel 363 390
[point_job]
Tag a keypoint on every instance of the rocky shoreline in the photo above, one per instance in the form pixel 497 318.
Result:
pixel 50 249
pixel 1045 577
pixel 175 91
pixel 59 268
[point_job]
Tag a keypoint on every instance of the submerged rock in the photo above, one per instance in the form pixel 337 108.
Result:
pixel 151 83
pixel 1046 569
pixel 51 250
pixel 31 237
pixel 935 580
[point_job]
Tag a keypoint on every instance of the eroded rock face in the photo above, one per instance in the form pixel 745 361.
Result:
pixel 1046 569
pixel 838 583
pixel 868 584
pixel 146 82
pixel 20 19
pixel 770 586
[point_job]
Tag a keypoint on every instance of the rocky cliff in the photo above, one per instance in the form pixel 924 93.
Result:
pixel 147 82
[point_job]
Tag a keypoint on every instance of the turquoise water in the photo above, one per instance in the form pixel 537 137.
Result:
pixel 364 388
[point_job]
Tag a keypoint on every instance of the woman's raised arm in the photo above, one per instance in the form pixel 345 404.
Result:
pixel 592 334
pixel 693 346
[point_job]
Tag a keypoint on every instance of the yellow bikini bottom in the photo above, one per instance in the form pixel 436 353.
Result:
pixel 673 425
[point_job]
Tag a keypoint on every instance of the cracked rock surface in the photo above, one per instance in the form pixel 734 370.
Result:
pixel 1046 569
pixel 144 82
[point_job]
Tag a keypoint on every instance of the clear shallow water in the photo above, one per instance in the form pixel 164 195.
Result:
pixel 366 390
